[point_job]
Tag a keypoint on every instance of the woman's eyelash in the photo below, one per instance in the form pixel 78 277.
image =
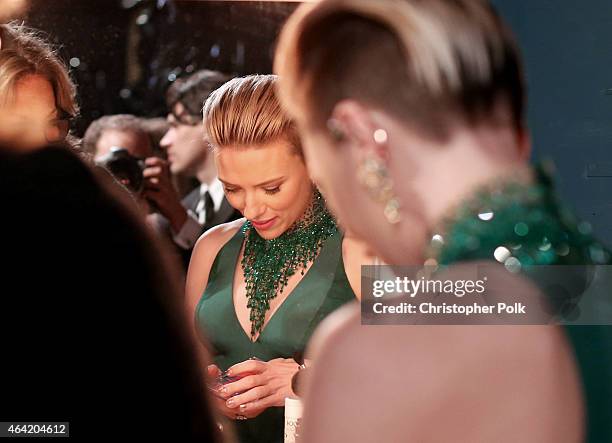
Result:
pixel 267 191
pixel 272 190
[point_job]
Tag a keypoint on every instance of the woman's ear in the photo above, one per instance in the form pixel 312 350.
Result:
pixel 352 123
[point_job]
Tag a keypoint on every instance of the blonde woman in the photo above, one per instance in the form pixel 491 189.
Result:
pixel 37 96
pixel 427 98
pixel 259 286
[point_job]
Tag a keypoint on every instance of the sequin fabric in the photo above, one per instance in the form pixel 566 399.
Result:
pixel 518 225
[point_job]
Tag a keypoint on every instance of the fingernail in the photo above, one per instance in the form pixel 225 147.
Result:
pixel 228 373
pixel 243 407
pixel 230 403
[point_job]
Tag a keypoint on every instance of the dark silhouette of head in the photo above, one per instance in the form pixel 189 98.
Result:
pixel 91 317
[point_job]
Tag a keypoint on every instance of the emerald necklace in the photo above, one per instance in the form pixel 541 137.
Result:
pixel 268 264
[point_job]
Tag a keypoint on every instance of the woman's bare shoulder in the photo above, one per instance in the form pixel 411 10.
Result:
pixel 216 237
pixel 210 243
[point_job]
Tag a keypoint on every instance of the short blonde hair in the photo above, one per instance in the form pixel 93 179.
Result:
pixel 426 62
pixel 24 52
pixel 246 111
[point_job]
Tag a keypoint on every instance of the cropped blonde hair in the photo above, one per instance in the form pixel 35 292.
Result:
pixel 24 52
pixel 246 111
pixel 426 62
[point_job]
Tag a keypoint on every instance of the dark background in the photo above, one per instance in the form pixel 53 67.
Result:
pixel 130 50
pixel 567 47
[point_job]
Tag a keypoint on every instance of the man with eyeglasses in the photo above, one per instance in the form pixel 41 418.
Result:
pixel 188 154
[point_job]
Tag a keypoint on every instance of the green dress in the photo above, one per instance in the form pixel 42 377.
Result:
pixel 323 289
pixel 529 221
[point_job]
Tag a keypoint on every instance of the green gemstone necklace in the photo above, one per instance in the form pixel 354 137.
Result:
pixel 268 264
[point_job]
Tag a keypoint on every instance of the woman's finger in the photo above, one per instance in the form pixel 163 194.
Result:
pixel 213 370
pixel 252 366
pixel 242 385
pixel 255 406
pixel 251 395
pixel 223 409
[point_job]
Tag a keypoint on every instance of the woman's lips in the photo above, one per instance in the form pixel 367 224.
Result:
pixel 265 224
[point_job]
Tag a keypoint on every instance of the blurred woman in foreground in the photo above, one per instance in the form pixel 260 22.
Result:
pixel 37 95
pixel 412 117
pixel 91 310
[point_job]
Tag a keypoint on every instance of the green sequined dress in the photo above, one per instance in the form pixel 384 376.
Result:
pixel 533 228
pixel 323 289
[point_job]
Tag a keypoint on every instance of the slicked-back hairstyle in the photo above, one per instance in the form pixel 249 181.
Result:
pixel 429 63
pixel 193 90
pixel 23 52
pixel 246 111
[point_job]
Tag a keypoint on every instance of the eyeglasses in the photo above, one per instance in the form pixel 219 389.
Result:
pixel 57 129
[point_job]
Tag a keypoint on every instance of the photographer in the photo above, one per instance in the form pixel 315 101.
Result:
pixel 120 144
pixel 122 130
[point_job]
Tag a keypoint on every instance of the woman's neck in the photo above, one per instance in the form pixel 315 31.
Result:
pixel 472 159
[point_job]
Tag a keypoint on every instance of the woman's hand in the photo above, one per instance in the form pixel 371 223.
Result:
pixel 262 385
pixel 217 398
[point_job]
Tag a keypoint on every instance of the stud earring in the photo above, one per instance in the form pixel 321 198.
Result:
pixel 373 175
pixel 380 136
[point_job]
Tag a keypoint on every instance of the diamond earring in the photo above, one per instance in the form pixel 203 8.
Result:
pixel 373 175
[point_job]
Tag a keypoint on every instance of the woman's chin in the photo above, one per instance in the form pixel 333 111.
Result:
pixel 269 234
pixel 273 232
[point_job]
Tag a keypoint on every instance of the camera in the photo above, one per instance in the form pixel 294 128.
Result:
pixel 124 167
